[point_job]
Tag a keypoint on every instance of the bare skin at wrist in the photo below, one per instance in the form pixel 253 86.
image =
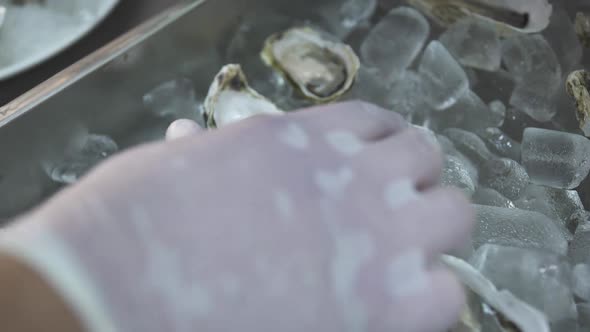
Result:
pixel 28 303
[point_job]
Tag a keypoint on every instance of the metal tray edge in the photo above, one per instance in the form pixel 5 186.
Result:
pixel 92 62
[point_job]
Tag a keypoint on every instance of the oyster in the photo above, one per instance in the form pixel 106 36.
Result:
pixel 230 99
pixel 322 69
pixel 513 314
pixel 583 28
pixel 577 85
pixel 509 16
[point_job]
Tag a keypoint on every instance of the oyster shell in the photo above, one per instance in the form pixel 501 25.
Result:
pixel 230 99
pixel 583 28
pixel 322 69
pixel 514 314
pixel 509 16
pixel 577 85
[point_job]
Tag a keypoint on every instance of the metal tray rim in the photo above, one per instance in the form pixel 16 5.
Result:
pixel 87 65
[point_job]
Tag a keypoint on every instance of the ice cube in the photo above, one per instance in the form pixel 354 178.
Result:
pixel 490 197
pixel 469 145
pixel 526 56
pixel 505 176
pixel 394 43
pixel 470 113
pixel 500 143
pixel 562 37
pixel 84 154
pixel 406 95
pixel 580 246
pixel 457 174
pixel 174 98
pixel 520 228
pixel 537 72
pixel 581 281
pixel 537 97
pixel 448 148
pixel 558 204
pixel 538 277
pixel 474 43
pixel 369 87
pixel 555 159
pixel 444 79
pixel 499 109
pixel 275 87
pixel 342 17
pixel 247 40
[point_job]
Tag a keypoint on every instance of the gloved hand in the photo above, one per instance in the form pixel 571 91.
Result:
pixel 328 219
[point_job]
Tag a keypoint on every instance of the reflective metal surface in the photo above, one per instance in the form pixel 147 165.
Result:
pixel 103 92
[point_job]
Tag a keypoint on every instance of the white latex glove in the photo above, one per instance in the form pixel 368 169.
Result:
pixel 328 219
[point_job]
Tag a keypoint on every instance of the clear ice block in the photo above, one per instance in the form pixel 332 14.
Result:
pixel 506 176
pixel 369 87
pixel 244 45
pixel 536 97
pixel 342 17
pixel 449 148
pixel 457 174
pixel 393 44
pixel 474 43
pixel 527 56
pixel 277 89
pixel 406 95
pixel 558 204
pixel 444 79
pixel 562 38
pixel 498 108
pixel 247 40
pixel 580 246
pixel 538 277
pixel 519 228
pixel 490 197
pixel 469 113
pixel 500 143
pixel 469 145
pixel 555 159
pixel 174 98
pixel 84 154
pixel 537 72
pixel 581 281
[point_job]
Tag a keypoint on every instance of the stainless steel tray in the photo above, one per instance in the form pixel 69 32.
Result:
pixel 103 92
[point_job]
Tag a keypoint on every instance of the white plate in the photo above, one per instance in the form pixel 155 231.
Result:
pixel 31 35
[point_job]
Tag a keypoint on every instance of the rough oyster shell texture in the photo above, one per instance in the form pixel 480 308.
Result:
pixel 509 16
pixel 577 85
pixel 320 68
pixel 231 99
